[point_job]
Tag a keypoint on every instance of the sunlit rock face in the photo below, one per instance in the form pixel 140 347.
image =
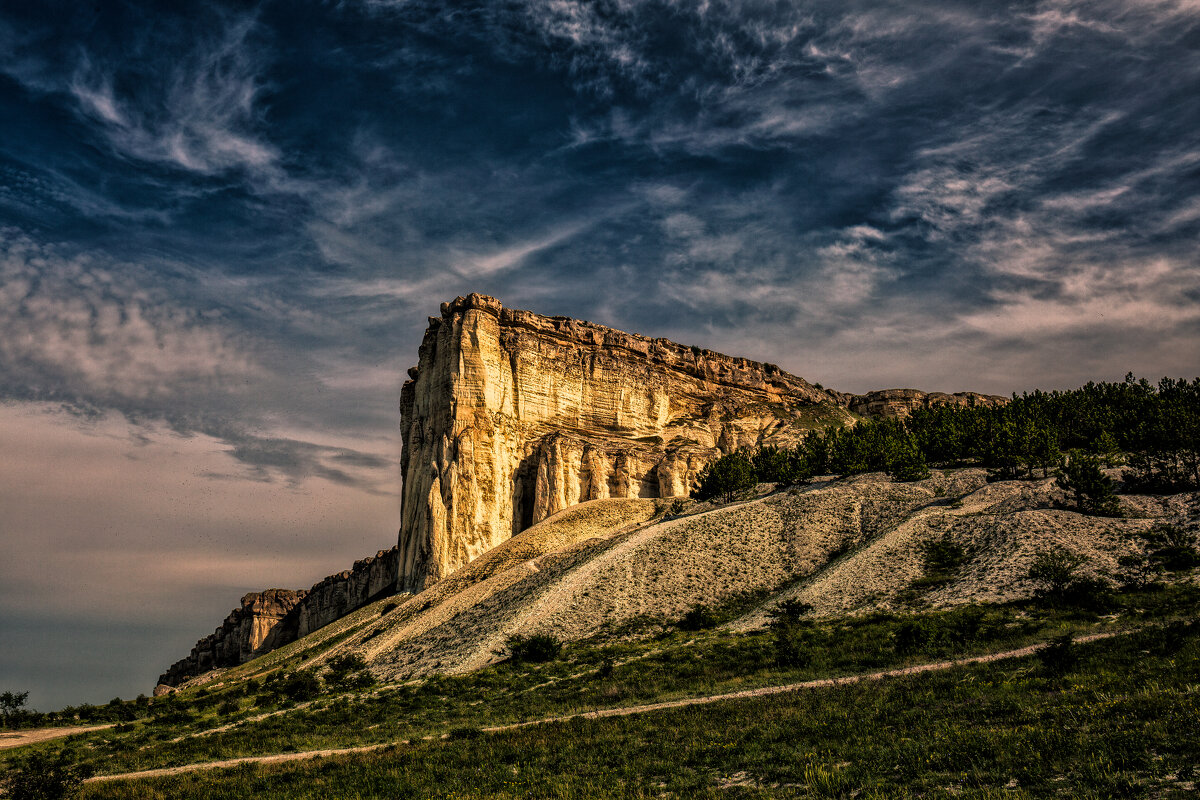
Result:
pixel 257 626
pixel 511 416
pixel 900 403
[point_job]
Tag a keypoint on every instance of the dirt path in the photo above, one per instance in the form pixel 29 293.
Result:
pixel 609 712
pixel 19 738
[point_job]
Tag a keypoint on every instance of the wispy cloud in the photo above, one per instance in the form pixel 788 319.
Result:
pixel 76 328
pixel 201 115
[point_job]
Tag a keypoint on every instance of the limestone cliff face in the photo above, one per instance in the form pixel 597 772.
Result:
pixel 511 416
pixel 338 595
pixel 251 629
pixel 900 403
pixel 270 619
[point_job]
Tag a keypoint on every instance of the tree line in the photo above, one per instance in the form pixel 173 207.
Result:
pixel 1153 430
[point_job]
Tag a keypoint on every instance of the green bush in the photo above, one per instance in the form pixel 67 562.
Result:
pixel 297 686
pixel 789 612
pixel 726 479
pixel 1171 548
pixel 538 648
pixel 791 651
pixel 698 618
pixel 1057 573
pixel 1090 489
pixel 44 775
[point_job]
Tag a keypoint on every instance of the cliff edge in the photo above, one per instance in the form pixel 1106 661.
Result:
pixel 511 416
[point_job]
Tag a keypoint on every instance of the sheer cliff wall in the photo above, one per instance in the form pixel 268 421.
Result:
pixel 272 618
pixel 511 416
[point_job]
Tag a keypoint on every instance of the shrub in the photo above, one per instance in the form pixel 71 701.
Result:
pixel 44 776
pixel 1171 548
pixel 912 635
pixel 1091 490
pixel 698 618
pixel 538 648
pixel 790 652
pixel 1057 572
pixel 789 612
pixel 297 686
pixel 727 478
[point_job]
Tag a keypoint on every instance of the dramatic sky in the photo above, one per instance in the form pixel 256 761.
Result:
pixel 222 228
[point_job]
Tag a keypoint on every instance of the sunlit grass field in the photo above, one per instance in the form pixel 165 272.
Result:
pixel 1109 718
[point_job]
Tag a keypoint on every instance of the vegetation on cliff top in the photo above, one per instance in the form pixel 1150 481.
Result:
pixel 1153 430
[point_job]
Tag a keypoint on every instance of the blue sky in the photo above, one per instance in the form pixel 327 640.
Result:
pixel 222 228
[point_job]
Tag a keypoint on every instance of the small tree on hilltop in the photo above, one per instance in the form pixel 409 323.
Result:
pixel 726 478
pixel 1090 489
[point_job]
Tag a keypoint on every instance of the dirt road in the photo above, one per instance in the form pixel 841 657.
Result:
pixel 610 712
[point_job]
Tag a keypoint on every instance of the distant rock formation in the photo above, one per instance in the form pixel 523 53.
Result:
pixel 253 628
pixel 900 403
pixel 511 416
pixel 272 618
pixel 336 596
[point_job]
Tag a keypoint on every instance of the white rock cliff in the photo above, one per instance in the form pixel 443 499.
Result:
pixel 511 416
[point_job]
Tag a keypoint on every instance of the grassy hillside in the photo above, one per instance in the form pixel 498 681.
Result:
pixel 1107 718
pixel 655 603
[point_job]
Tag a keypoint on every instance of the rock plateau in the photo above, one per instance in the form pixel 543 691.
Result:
pixel 510 417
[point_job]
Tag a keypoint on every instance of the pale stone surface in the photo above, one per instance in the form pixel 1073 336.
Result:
pixel 249 630
pixel 270 619
pixel 900 403
pixel 511 416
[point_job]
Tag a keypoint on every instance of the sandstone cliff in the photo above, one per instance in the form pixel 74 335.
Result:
pixel 511 416
pixel 249 630
pixel 272 618
pixel 899 403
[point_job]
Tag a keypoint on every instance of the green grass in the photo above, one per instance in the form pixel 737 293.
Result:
pixel 1121 724
pixel 825 729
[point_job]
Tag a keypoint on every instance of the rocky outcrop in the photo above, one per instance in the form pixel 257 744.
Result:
pixel 511 416
pixel 257 626
pixel 336 596
pixel 899 403
pixel 270 619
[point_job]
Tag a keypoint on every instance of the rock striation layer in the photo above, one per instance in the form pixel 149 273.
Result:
pixel 272 618
pixel 251 629
pixel 511 416
pixel 900 403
